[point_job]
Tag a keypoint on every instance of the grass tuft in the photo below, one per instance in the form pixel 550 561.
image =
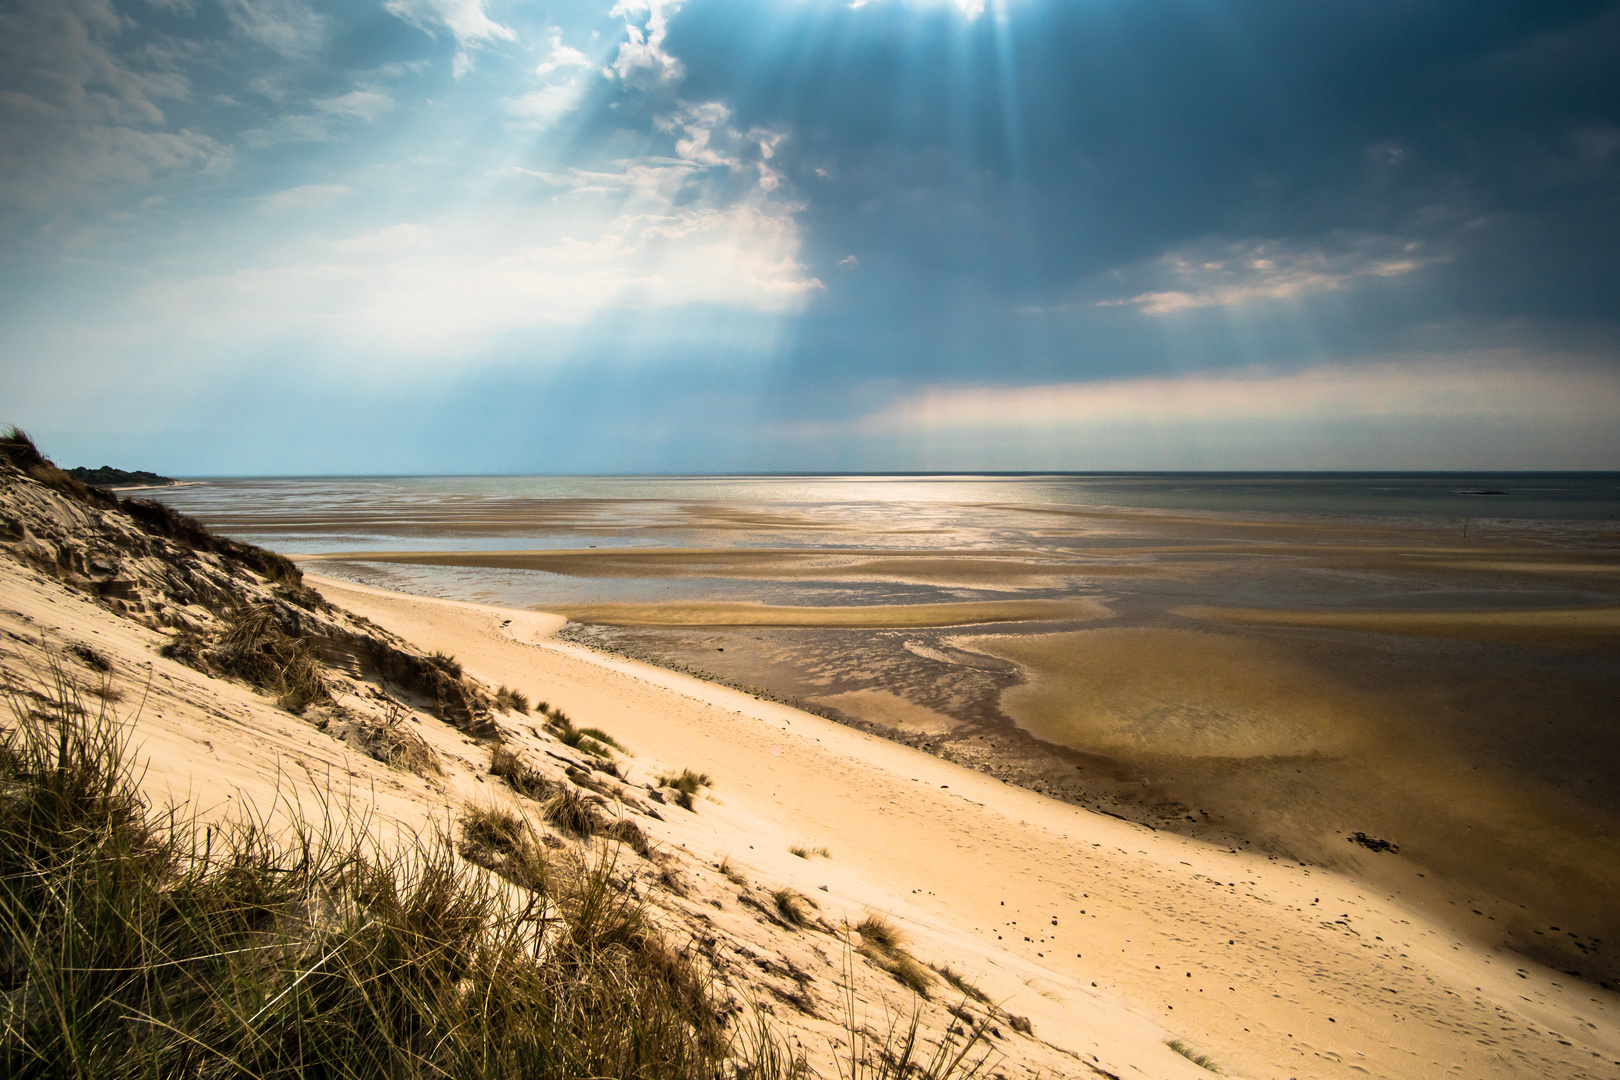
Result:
pixel 686 786
pixel 960 984
pixel 509 700
pixel 804 852
pixel 590 740
pixel 446 663
pixel 259 650
pixel 884 945
pixel 524 778
pixel 900 1054
pixel 396 745
pixel 1203 1061
pixel 572 811
pixel 795 907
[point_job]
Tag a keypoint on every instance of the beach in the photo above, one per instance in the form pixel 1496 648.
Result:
pixel 1272 675
pixel 1112 939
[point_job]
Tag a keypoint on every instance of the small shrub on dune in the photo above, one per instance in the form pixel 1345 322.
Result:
pixel 599 736
pixel 396 745
pixel 491 835
pixel 629 834
pixel 258 649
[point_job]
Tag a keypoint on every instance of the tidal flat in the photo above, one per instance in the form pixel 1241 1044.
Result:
pixel 1282 668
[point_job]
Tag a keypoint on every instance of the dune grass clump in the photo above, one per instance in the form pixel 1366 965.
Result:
pixel 509 700
pixel 397 746
pixel 572 811
pixel 686 786
pixel 134 944
pixel 1203 1061
pixel 524 778
pixel 730 872
pixel 590 740
pixel 805 852
pixel 960 984
pixel 256 648
pixel 884 945
pixel 446 663
pixel 795 907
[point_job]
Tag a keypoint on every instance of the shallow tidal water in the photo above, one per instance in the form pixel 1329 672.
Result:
pixel 1279 661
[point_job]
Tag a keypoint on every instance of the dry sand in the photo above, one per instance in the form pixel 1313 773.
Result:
pixel 1112 939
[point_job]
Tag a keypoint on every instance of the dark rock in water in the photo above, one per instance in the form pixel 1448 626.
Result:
pixel 1372 843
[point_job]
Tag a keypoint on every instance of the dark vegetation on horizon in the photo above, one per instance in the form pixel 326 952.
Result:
pixel 107 476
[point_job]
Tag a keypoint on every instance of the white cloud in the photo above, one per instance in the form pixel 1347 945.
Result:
pixel 289 27
pixel 1483 386
pixel 699 124
pixel 306 197
pixel 365 105
pixel 561 56
pixel 541 108
pixel 466 20
pixel 80 114
pixel 1241 274
pixel 491 277
pixel 642 61
pixel 393 240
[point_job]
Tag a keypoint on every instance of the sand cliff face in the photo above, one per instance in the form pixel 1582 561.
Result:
pixel 1095 943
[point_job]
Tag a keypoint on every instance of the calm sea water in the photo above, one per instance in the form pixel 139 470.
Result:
pixel 317 514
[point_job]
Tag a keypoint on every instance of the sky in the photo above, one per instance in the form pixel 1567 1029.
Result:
pixel 670 236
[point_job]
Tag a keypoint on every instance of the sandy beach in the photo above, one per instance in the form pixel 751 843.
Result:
pixel 1113 939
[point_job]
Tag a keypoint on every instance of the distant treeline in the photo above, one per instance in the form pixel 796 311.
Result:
pixel 107 476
